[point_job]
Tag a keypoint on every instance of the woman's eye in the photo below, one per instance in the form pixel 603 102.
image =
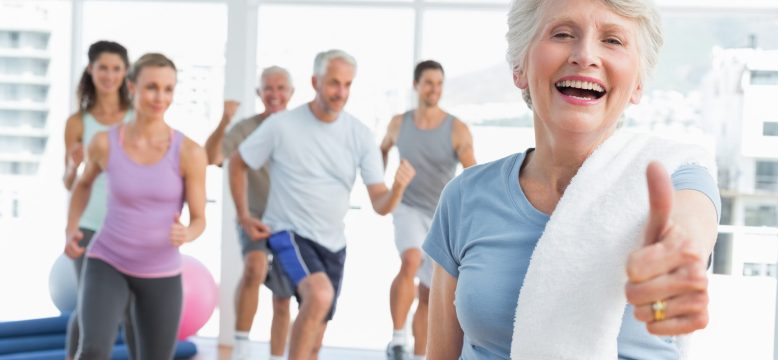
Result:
pixel 613 41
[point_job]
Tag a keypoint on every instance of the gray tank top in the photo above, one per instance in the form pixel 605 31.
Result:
pixel 432 155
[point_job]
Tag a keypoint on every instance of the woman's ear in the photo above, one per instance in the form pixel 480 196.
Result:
pixel 520 78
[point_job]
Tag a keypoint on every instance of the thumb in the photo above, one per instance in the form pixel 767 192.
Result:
pixel 177 218
pixel 660 198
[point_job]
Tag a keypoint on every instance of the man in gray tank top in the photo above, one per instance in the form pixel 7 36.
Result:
pixel 434 142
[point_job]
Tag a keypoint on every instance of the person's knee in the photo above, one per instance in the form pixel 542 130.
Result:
pixel 317 292
pixel 255 268
pixel 411 261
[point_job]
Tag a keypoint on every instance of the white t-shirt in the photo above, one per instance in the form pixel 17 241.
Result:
pixel 313 167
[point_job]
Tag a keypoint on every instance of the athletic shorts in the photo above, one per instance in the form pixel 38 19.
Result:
pixel 300 257
pixel 276 281
pixel 411 226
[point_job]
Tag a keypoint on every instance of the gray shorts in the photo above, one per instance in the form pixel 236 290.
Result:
pixel 411 226
pixel 276 281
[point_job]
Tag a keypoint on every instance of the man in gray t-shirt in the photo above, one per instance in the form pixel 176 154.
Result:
pixel 314 152
pixel 275 89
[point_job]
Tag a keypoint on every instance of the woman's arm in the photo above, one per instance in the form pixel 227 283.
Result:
pixel 193 162
pixel 98 149
pixel 74 149
pixel 443 333
pixel 671 267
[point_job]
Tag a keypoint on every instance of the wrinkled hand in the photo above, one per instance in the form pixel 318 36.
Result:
pixel 179 233
pixel 669 267
pixel 405 173
pixel 72 249
pixel 230 108
pixel 255 228
pixel 75 155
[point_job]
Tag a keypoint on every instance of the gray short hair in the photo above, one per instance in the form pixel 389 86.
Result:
pixel 275 70
pixel 523 26
pixel 324 58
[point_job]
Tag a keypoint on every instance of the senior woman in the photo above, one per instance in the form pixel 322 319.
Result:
pixel 583 247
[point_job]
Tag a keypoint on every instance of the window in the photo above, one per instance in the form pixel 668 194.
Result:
pixel 772 270
pixel 726 211
pixel 753 269
pixel 764 77
pixel 766 176
pixel 762 215
pixel 770 128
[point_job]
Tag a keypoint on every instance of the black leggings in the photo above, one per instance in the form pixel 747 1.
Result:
pixel 156 311
pixel 73 332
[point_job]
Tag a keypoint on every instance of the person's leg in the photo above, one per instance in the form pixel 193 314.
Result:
pixel 104 296
pixel 282 290
pixel 420 322
pixel 73 329
pixel 255 266
pixel 279 330
pixel 409 234
pixel 317 295
pixel 128 330
pixel 157 309
pixel 247 297
pixel 319 340
pixel 403 289
pixel 301 261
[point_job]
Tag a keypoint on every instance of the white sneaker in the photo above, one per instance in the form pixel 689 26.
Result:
pixel 241 350
pixel 396 352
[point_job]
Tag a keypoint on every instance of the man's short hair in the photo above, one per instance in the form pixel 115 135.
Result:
pixel 426 65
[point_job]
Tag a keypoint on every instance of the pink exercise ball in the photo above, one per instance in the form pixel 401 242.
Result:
pixel 200 296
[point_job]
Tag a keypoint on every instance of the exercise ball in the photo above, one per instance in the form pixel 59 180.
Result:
pixel 200 296
pixel 63 284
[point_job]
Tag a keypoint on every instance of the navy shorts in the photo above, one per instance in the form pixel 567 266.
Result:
pixel 300 257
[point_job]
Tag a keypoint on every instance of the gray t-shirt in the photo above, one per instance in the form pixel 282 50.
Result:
pixel 313 166
pixel 258 180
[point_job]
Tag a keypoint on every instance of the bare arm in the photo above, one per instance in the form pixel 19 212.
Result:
pixel 392 130
pixel 444 332
pixel 74 148
pixel 98 149
pixel 680 234
pixel 462 141
pixel 193 162
pixel 385 200
pixel 213 146
pixel 237 174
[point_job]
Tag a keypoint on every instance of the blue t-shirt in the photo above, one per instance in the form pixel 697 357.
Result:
pixel 313 166
pixel 484 232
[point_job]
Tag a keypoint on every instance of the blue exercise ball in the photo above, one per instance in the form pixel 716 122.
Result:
pixel 63 284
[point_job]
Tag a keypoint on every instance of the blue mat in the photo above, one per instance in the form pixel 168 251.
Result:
pixel 52 325
pixel 44 338
pixel 184 350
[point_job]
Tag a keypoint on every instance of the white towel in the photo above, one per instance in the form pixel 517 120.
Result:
pixel 573 299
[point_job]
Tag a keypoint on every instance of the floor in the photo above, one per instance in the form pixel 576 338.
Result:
pixel 209 349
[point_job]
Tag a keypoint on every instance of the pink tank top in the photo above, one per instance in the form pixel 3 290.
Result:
pixel 142 203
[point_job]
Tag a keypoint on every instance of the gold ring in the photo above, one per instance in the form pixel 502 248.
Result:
pixel 659 308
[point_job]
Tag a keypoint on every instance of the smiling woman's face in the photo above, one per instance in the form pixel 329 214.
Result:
pixel 582 67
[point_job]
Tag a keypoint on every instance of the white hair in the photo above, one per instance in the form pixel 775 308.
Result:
pixel 324 58
pixel 523 26
pixel 275 70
